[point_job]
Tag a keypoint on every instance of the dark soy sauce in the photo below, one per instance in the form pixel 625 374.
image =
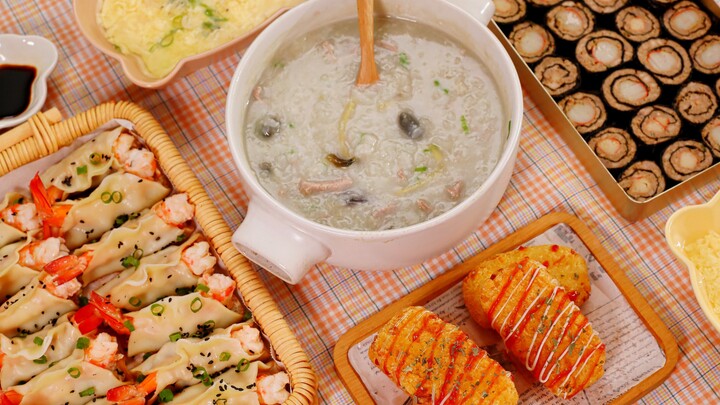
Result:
pixel 15 89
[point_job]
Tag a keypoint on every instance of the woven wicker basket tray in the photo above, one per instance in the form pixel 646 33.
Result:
pixel 47 139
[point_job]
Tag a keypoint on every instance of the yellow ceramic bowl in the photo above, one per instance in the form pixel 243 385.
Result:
pixel 86 12
pixel 685 226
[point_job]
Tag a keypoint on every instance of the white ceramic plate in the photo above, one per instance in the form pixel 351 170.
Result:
pixel 33 51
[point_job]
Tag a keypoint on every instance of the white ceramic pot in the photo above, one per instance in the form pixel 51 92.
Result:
pixel 287 244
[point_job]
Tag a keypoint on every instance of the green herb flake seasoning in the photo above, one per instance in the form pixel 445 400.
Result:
pixel 74 372
pixel 437 83
pixel 165 395
pixel 38 340
pixel 40 360
pixel 82 343
pixel 421 169
pixel 202 287
pixel 88 392
pixel 174 337
pixel 224 356
pixel 129 325
pixel 82 169
pixel 404 59
pixel 464 124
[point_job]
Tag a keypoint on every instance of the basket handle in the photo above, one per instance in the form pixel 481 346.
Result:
pixel 25 130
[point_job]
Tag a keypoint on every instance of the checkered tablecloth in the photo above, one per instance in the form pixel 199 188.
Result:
pixel 547 178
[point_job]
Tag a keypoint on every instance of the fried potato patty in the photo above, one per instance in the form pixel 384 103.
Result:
pixel 563 264
pixel 438 363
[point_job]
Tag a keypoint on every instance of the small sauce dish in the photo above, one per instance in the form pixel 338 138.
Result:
pixel 685 226
pixel 28 51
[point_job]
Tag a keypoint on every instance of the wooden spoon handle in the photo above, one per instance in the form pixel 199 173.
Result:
pixel 368 71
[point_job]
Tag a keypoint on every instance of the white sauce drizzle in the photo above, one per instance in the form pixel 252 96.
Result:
pixel 532 344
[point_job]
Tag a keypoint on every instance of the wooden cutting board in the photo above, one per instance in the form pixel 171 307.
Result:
pixel 436 287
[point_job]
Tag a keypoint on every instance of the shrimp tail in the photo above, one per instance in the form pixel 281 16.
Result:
pixel 68 267
pixel 10 398
pixel 111 314
pixel 133 394
pixel 40 197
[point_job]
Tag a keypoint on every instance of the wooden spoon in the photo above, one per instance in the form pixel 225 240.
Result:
pixel 368 71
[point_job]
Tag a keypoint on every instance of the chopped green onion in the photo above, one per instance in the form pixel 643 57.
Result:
pixel 106 197
pixel 207 381
pixel 82 169
pixel 196 304
pixel 121 219
pixel 202 287
pixel 157 309
pixel 88 392
pixel 181 238
pixel 199 373
pixel 40 360
pixel 247 315
pixel 129 325
pixel 224 356
pixel 95 158
pixel 421 169
pixel 437 83
pixel 243 365
pixel 74 372
pixel 117 197
pixel 174 337
pixel 130 261
pixel 165 395
pixel 82 343
pixel 209 324
pixel 135 301
pixel 168 39
pixel 177 21
pixel 82 301
pixel 404 59
pixel 147 355
pixel 446 91
pixel 464 124
pixel 38 340
pixel 138 253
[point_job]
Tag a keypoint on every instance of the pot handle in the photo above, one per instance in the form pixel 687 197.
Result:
pixel 277 246
pixel 481 10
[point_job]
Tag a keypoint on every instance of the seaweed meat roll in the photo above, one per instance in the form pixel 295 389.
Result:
pixel 605 6
pixel 642 180
pixel 509 11
pixel 637 24
pixel 655 124
pixel 684 159
pixel 614 147
pixel 602 50
pixel 558 75
pixel 570 20
pixel 545 3
pixel 532 41
pixel 585 111
pixel 666 59
pixel 696 102
pixel 705 53
pixel 685 20
pixel 711 136
pixel 627 89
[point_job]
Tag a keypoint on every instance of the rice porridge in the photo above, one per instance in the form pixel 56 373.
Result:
pixel 384 156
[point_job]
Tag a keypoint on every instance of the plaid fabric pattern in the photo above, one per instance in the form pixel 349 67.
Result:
pixel 547 178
